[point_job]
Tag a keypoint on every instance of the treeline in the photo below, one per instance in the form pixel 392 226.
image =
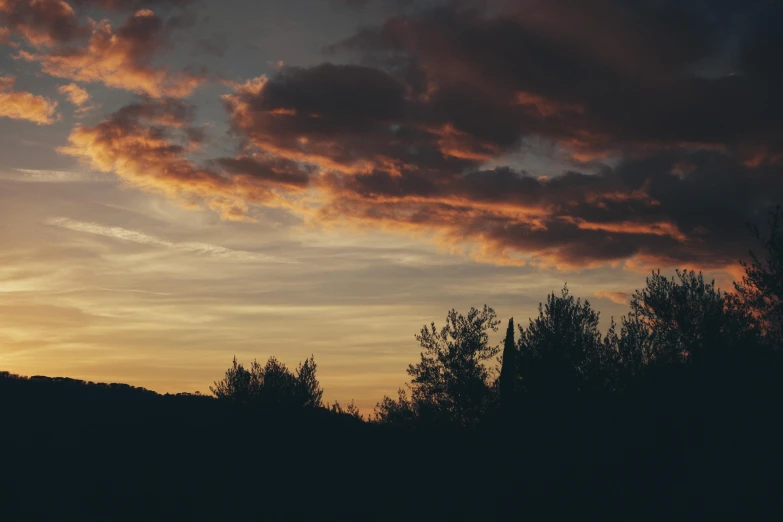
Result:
pixel 682 325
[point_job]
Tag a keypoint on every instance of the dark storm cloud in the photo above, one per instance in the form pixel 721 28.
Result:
pixel 627 66
pixel 343 117
pixel 282 173
pixel 400 140
pixel 672 207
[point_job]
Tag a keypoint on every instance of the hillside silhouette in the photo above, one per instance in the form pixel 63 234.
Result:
pixel 672 414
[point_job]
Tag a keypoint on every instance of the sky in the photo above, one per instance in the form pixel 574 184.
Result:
pixel 183 181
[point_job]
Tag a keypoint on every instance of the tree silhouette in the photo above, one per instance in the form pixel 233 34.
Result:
pixel 761 288
pixel 351 410
pixel 684 319
pixel 401 412
pixel 239 384
pixel 270 386
pixel 307 384
pixel 508 368
pixel 450 384
pixel 562 349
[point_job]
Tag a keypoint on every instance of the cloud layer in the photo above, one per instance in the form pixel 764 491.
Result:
pixel 659 122
pixel 667 162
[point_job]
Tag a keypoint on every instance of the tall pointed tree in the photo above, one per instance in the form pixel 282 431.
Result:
pixel 508 369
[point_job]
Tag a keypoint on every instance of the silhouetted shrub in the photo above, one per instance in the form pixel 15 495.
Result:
pixel 270 386
pixel 451 383
pixel 562 350
pixel 685 319
pixel 761 288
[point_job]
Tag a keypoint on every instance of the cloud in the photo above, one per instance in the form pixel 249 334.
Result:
pixel 78 97
pixel 120 59
pixel 622 298
pixel 133 236
pixel 613 77
pixel 147 145
pixel 354 118
pixel 55 22
pixel 665 164
pixel 392 158
pixel 641 212
pixel 20 105
pixel 132 5
pixel 49 176
pixel 400 141
pixel 42 22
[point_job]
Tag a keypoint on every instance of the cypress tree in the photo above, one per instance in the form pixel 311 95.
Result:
pixel 508 369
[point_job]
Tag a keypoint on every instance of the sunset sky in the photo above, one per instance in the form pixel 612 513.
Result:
pixel 184 181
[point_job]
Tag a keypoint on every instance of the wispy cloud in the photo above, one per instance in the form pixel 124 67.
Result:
pixel 141 238
pixel 616 297
pixel 78 96
pixel 49 176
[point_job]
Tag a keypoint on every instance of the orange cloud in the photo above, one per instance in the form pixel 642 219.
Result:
pixel 568 222
pixel 630 227
pixel 78 97
pixel 545 106
pixel 24 105
pixel 41 22
pixel 75 94
pixel 147 146
pixel 755 156
pixel 461 145
pixel 622 298
pixel 120 59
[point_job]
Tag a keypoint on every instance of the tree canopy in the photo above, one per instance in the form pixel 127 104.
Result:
pixel 272 385
pixel 451 382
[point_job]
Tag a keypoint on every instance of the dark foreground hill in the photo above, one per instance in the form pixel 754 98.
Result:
pixel 94 452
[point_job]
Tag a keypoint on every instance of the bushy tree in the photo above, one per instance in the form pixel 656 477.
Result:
pixel 271 386
pixel 633 344
pixel 683 320
pixel 238 385
pixel 562 349
pixel 308 387
pixel 761 288
pixel 451 382
pixel 400 412
pixel 351 410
